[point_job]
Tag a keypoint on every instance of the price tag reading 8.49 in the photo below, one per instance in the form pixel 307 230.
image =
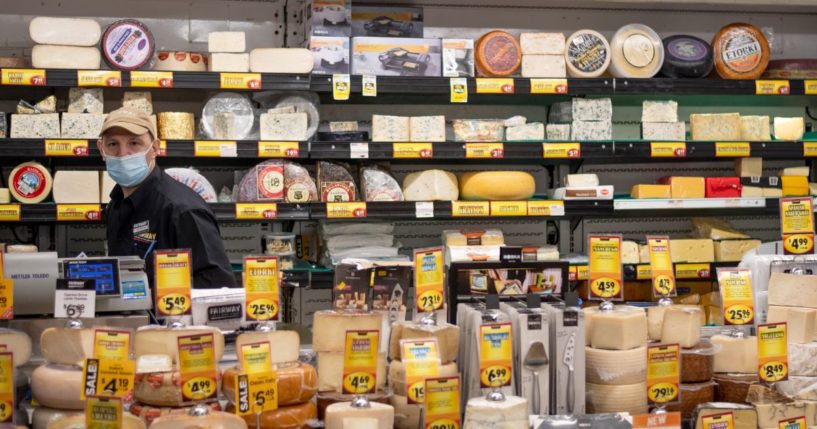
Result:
pixel 606 277
pixel 772 352
pixel 495 355
pixel 736 294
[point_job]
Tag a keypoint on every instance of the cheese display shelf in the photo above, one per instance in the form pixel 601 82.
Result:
pixel 689 271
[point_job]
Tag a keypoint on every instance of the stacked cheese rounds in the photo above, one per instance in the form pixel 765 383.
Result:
pixel 212 420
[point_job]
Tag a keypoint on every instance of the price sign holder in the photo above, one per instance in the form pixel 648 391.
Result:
pixel 772 352
pixel 110 378
pixel 719 421
pixel 6 295
pixel 197 364
pixel 111 344
pixel 7 388
pixel 736 294
pixel 173 281
pixel 75 299
pixel 606 277
pixel 429 279
pixel 262 280
pixel 795 423
pixel 256 393
pixel 360 362
pixel 797 225
pixel 495 355
pixel 459 89
pixel 422 361
pixel 255 357
pixel 103 413
pixel 442 407
pixel 663 374
pixel 661 268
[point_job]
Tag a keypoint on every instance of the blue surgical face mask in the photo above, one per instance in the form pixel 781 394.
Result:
pixel 128 171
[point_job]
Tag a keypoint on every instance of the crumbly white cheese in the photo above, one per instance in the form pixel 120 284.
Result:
pixel 592 109
pixel 532 131
pixel 284 126
pixel 427 128
pixel 138 100
pixel 592 130
pixel 558 131
pixel 234 63
pixel 659 111
pixel 85 100
pixel 45 125
pixel 81 125
pixel 675 131
pixel 755 128
pixel 390 128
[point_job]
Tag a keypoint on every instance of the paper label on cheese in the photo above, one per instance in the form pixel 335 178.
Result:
pixel 772 352
pixel 495 354
pixel 484 150
pixel 663 373
pixel 546 208
pixel 103 413
pixel 111 344
pixel 255 357
pixel 57 147
pixel 215 149
pixel 772 87
pixel 810 149
pixel 562 150
pixel 341 87
pixel 693 271
pixel 107 377
pixel 197 364
pixel 548 86
pixel 509 208
pixel 7 388
pixel 795 423
pixel 256 211
pixel 10 213
pixel 346 210
pixel 810 87
pixel 102 78
pixel 369 84
pixel 151 79
pixel 360 362
pixel 606 278
pixel 736 294
pixel 578 272
pixel 459 89
pixel 422 361
pixel 661 268
pixel 495 86
pixel 256 393
pixel 267 149
pixel 78 212
pixel 6 295
pixel 23 77
pixel 262 279
pixel 240 81
pixel 733 149
pixel 413 150
pixel 173 281
pixel 442 403
pixel 657 421
pixel 797 225
pixel 470 208
pixel 668 149
pixel 429 279
pixel 718 421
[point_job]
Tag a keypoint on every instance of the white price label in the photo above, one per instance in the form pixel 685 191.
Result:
pixel 229 150
pixel 424 210
pixel 359 150
pixel 74 304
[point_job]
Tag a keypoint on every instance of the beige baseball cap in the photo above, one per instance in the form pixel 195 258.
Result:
pixel 132 120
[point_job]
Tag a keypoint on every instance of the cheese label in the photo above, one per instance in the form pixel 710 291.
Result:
pixel 215 149
pixel 495 355
pixel 795 423
pixel 470 208
pixel 484 150
pixel 103 413
pixel 661 269
pixel 255 357
pixel 797 225
pixel 341 87
pixel 256 392
pixel 111 344
pixel 509 208
pixel 562 150
pixel 422 361
pixel 346 210
pixel 23 77
pixel 79 212
pixel 546 208
pixel 369 84
pixel 668 149
pixel 643 272
pixel 7 388
pixel 262 279
pixel 548 86
pixel 736 294
pixel 606 277
pixel 197 364
pixel 429 279
pixel 256 211
pixel 718 421
pixel 772 352
pixel 459 89
pixel 66 148
pixel 360 362
pixel 772 87
pixel 107 377
pixel 240 80
pixel 495 86
pixel 810 87
pixel 6 296
pixel 733 149
pixel 442 405
pixel 663 373
pixel 279 149
pixel 810 149
pixel 10 213
pixel 578 272
pixel 151 79
pixel 413 150
pixel 103 78
pixel 657 421
pixel 173 281
pixel 693 271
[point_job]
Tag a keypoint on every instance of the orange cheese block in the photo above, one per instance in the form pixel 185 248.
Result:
pixel 297 383
pixel 292 417
pixel 498 54
pixel 741 51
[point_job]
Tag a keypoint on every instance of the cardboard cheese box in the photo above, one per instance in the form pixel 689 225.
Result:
pixel 396 56
pixel 330 54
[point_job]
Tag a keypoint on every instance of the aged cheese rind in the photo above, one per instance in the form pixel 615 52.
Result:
pixel 755 128
pixel 630 398
pixel 391 128
pixel 284 126
pixel 668 131
pixel 616 366
pixel 715 126
pixel 427 128
pixel 659 111
pixel 65 57
pixel 735 355
pixel 162 389
pixel 81 125
pixel 697 363
pixel 85 100
pixel 41 126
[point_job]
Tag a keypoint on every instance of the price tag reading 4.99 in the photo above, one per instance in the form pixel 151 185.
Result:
pixel 495 355
pixel 661 269
pixel 360 362
pixel 797 225
pixel 173 282
pixel 422 361
pixel 736 294
pixel 7 389
pixel 663 369
pixel 772 352
pixel 443 403
pixel 261 284
pixel 605 268
pixel 197 364
pixel 429 282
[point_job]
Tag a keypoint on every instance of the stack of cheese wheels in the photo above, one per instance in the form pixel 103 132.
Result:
pixel 78 422
pixel 616 360
pixel 149 413
pixel 211 420
pixel 19 345
pixel 407 416
pixel 735 366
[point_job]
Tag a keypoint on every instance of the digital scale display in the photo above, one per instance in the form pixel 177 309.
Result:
pixel 104 271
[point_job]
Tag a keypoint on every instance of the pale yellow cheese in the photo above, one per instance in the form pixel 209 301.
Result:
pixel 692 250
pixel 771 192
pixel 687 187
pixel 655 321
pixel 153 339
pixel 629 252
pixel 715 126
pixel 735 355
pixel 623 328
pixel 497 185
pixel 751 192
pixel 630 398
pixel 682 325
pixel 651 191
pixel 616 366
pixel 18 343
pixel 793 290
pixel 716 229
pixel 755 128
pixel 343 415
pixel 447 336
pixel 733 250
pixel 789 128
pixel 330 326
pixel 644 253
pixel 801 322
pixel 67 346
pixel 749 167
pixel 285 345
pixel 794 171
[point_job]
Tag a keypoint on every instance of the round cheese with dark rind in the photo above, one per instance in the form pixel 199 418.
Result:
pixel 587 54
pixel 30 183
pixel 741 51
pixel 687 57
pixel 498 54
pixel 128 45
pixel 637 52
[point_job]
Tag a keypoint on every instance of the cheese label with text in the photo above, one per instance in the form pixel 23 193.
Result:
pixel 7 388
pixel 495 355
pixel 360 362
pixel 718 421
pixel 413 150
pixel 62 147
pixel 442 403
pixel 606 277
pixel 736 294
pixel 23 77
pixel 562 150
pixel 459 89
pixel 470 208
pixel 495 85
pixel 151 79
pixel 422 360
pixel 733 149
pixel 795 423
pixel 103 413
pixel 256 392
pixel 79 212
pixel 644 272
pixel 256 211
pixel 346 210
pixel 810 87
pixel 197 364
pixel 548 86
pixel 215 149
pixel 661 268
pixel 262 279
pixel 668 149
pixel 240 81
pixel 369 85
pixel 255 357
pixel 693 271
pixel 810 149
pixel 797 225
pixel 111 344
pixel 578 273
pixel 772 87
pixel 6 295
pixel 429 279
pixel 546 208
pixel 107 377
pixel 484 150
pixel 341 87
pixel 772 352
pixel 657 421
pixel 268 149
pixel 103 78
pixel 173 281
pixel 509 208
pixel 10 213
pixel 663 373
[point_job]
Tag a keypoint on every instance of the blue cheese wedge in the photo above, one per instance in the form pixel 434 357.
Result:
pixel 532 131
pixel 81 125
pixel 44 125
pixel 561 112
pixel 342 126
pixel 592 130
pixel 284 126
pixel 427 128
pixel 558 131
pixel 715 126
pixel 659 111
pixel 755 128
pixel 138 100
pixel 85 100
pixel 224 126
pixel 673 131
pixel 592 109
pixel 391 128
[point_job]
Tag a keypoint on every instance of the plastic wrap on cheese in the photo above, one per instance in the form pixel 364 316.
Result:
pixel 297 101
pixel 264 182
pixel 335 182
pixel 149 413
pixel 299 187
pixel 478 130
pixel 227 116
pixel 195 181
pixel 379 185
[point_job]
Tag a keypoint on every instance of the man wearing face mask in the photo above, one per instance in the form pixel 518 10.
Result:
pixel 149 210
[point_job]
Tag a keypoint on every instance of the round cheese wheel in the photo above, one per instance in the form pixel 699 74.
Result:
pixel 637 52
pixel 297 383
pixel 127 45
pixel 498 54
pixel 42 416
pixel 67 346
pixel 30 183
pixel 687 56
pixel 292 417
pixel 741 51
pixel 161 340
pixel 18 343
pixel 180 61
pixel 213 420
pixel 616 366
pixel 325 399
pixel 161 388
pixel 497 185
pixel 697 363
pixel 78 422
pixel 58 386
pixel 587 54
pixel 149 413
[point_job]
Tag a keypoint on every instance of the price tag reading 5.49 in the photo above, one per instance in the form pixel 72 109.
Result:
pixel 173 282
pixel 360 362
pixel 736 294
pixel 605 268
pixel 772 352
pixel 495 354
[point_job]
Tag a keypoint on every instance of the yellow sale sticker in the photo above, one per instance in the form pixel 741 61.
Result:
pixel 668 149
pixel 661 268
pixel 772 87
pixel 103 413
pixel 429 279
pixel 173 281
pixel 692 271
pixel 413 150
pixel 663 373
pixel 262 278
pixel 256 211
pixel 509 208
pixel 459 89
pixel 795 423
pixel 495 86
pixel 772 352
pixel 810 149
pixel 10 213
pixel 255 357
pixel 718 421
pixel 470 208
pixel 111 344
pixel 422 361
pixel 240 81
pixel 442 403
pixel 562 150
pixel 341 87
pixel 197 364
pixel 279 149
pixel 495 354
pixel 151 79
pixel 733 149
pixel 797 225
pixel 360 362
pixel 484 150
pixel 256 392
pixel 548 86
pixel 7 388
pixel 23 77
pixel 103 78
pixel 606 278
pixel 6 296
pixel 546 208
pixel 736 294
pixel 79 212
pixel 66 147
pixel 107 377
pixel 215 149
pixel 346 210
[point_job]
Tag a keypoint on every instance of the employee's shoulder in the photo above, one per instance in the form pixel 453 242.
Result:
pixel 179 196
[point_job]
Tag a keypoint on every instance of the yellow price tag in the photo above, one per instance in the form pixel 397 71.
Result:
pixel 79 212
pixel 103 412
pixel 509 208
pixel 736 294
pixel 66 148
pixel 7 388
pixel 442 403
pixel 668 149
pixel 107 377
pixel 256 393
pixel 151 79
pixel 733 149
pixel 360 362
pixel 10 213
pixel 279 149
pixel 429 279
pixel 495 86
pixel 255 357
pixel 772 87
pixel 661 268
pixel 484 150
pixel 23 77
pixel 772 352
pixel 256 211
pixel 470 208
pixel 262 282
pixel 562 150
pixel 795 423
pixel 341 87
pixel 643 272
pixel 173 281
pixel 663 373
pixel 369 83
pixel 583 272
pixel 495 354
pixel 422 361
pixel 548 86
pixel 413 150
pixel 346 210
pixel 6 296
pixel 810 87
pixel 546 208
pixel 103 78
pixel 197 364
pixel 718 421
pixel 810 149
pixel 111 344
pixel 215 149
pixel 250 81
pixel 606 278
pixel 692 271
pixel 797 225
pixel 459 89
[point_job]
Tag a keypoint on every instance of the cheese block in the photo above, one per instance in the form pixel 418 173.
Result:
pixel 531 131
pixel 478 130
pixel 591 130
pixel 581 180
pixel 176 126
pixel 587 54
pixel 692 250
pixel 286 345
pixel 629 252
pixel 427 128
pixel 162 389
pixel 644 253
pixel 138 100
pixel 733 250
pixel 629 398
pixel 154 339
pixel 799 388
pixel 802 322
pixel 85 100
pixel 58 386
pixel 692 395
pixel 325 399
pixel 637 52
pixel 616 367
pixel 735 355
pixel 330 326
pixel 741 51
pixel 557 131
pixel 548 66
pixel 812 188
pixel 771 193
pixel 651 191
pixel 467 237
pixel 81 125
pixel 281 60
pixel 343 415
pixel 795 171
pixel 789 128
pixel 685 187
pixel 659 111
pixel 561 112
pixel 749 167
pixel 378 185
pixel 803 359
pixel 655 320
pixel 794 186
pixel 715 126
pixel 180 61
pixel 65 57
pixel 497 185
pixel 592 109
pixel 330 371
pixel 64 31
pixel 623 328
pixel 447 336
pixel 497 54
pixel 76 187
pixel 42 126
pixel 227 41
pixel 769 415
pixel 78 422
pixel 67 346
pixel 397 375
pixel 18 343
pixel 223 62
pixel 755 128
pixel 542 43
pixel 42 416
pixel 734 387
pixel 284 126
pixel 481 413
pixel 751 192
pixel 667 131
pixel 5 196
pixel 149 413
pixel 391 128
pixel 213 420
pixel 697 363
pixel 297 383
pixel 792 290
pixel 406 416
pixel 682 325
pixel 743 416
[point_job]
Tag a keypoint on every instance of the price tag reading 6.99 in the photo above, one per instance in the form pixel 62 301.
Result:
pixel 495 354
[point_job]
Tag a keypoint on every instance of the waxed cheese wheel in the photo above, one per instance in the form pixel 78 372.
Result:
pixel 498 54
pixel 292 417
pixel 297 383
pixel 58 386
pixel 496 185
pixel 587 54
pixel 67 346
pixel 741 51
pixel 30 183
pixel 325 399
pixel 161 388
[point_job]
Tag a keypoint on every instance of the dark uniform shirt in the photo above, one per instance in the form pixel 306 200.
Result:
pixel 165 214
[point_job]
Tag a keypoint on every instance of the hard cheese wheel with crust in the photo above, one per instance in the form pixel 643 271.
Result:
pixel 497 185
pixel 498 54
pixel 58 386
pixel 18 343
pixel 30 183
pixel 587 54
pixel 150 413
pixel 67 346
pixel 78 422
pixel 292 417
pixel 42 416
pixel 297 383
pixel 160 388
pixel 161 340
pixel 214 420
pixel 741 52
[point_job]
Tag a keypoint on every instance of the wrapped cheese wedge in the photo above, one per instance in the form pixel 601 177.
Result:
pixel 292 417
pixel 163 340
pixel 149 413
pixel 447 335
pixel 78 422
pixel 297 383
pixel 161 388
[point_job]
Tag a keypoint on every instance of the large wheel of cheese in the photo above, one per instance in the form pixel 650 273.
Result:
pixel 213 420
pixel 78 422
pixel 67 346
pixel 587 54
pixel 18 343
pixel 297 384
pixel 149 413
pixel 58 386
pixel 326 399
pixel 741 51
pixel 498 54
pixel 161 340
pixel 30 183
pixel 616 366
pixel 497 185
pixel 42 416
pixel 292 417
pixel 160 388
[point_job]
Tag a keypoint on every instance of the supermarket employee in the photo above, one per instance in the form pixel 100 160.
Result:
pixel 151 211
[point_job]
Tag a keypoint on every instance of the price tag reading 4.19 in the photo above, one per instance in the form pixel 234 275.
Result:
pixel 736 294
pixel 772 352
pixel 173 281
pixel 797 225
pixel 661 269
pixel 663 372
pixel 605 268
pixel 256 392
pixel 360 362
pixel 107 377
pixel 495 354
pixel 7 389
pixel 443 403
pixel 429 282
pixel 261 284
pixel 103 413
pixel 422 361
pixel 197 364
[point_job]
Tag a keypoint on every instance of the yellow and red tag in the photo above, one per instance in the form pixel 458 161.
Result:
pixel 267 149
pixel 262 278
pixel 79 212
pixel 256 211
pixel 107 377
pixel 23 77
pixel 546 208
pixel 429 279
pixel 103 413
pixel 733 149
pixel 661 268
pixel 663 373
pixel 360 362
pixel 668 149
pixel 101 78
pixel 442 403
pixel 413 150
pixel 470 208
pixel 422 361
pixel 256 392
pixel 112 344
pixel 548 86
pixel 495 86
pixel 197 364
pixel 797 225
pixel 255 357
pixel 772 352
pixel 250 81
pixel 736 294
pixel 562 150
pixel 606 277
pixel 495 354
pixel 347 210
pixel 772 87
pixel 484 150
pixel 62 147
pixel 151 79
pixel 173 281
pixel 7 388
